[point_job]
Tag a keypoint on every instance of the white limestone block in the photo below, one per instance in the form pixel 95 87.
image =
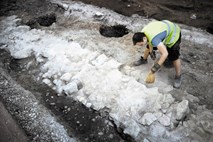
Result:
pixel 148 119
pixel 164 120
pixel 182 109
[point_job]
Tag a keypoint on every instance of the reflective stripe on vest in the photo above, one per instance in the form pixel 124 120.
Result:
pixel 169 30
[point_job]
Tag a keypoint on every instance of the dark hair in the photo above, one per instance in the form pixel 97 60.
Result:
pixel 138 37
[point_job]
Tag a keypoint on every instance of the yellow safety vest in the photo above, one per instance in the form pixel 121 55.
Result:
pixel 156 27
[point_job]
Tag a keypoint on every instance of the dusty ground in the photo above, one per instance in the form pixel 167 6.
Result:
pixel 11 130
pixel 88 125
pixel 197 67
pixel 197 63
pixel 190 12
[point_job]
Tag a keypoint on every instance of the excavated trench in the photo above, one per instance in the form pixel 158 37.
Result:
pixel 86 123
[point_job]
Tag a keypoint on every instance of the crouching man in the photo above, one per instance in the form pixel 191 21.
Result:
pixel 164 36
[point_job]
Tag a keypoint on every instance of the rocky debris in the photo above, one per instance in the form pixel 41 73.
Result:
pixel 74 86
pixel 75 117
pixel 170 110
pixel 182 110
pixel 165 120
pixel 148 119
pixel 161 110
pixel 173 114
pixel 36 120
pixel 157 130
pixel 99 16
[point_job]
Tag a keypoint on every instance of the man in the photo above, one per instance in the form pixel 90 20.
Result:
pixel 164 36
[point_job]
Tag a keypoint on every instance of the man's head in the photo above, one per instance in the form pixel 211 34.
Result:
pixel 139 39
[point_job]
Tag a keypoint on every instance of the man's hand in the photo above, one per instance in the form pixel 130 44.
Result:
pixel 152 55
pixel 150 77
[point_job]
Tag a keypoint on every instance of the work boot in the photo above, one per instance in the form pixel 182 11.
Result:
pixel 140 62
pixel 177 82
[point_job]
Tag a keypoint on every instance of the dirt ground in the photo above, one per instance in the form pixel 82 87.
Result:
pixel 197 67
pixel 190 12
pixel 197 63
pixel 8 125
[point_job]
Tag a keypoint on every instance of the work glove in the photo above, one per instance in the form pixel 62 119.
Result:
pixel 152 55
pixel 140 62
pixel 151 75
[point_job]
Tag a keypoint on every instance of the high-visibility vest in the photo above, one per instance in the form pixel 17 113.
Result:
pixel 156 27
